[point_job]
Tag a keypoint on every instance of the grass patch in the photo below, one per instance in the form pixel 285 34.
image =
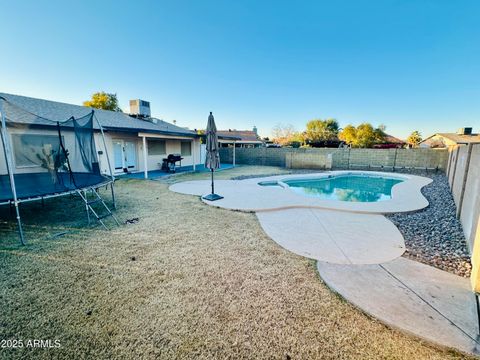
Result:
pixel 187 281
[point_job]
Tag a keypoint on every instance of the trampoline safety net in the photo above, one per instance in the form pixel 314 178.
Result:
pixel 47 156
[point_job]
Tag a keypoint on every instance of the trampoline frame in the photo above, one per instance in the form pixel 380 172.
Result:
pixel 8 152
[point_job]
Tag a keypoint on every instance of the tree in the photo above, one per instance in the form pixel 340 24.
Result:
pixel 321 130
pixel 366 135
pixel 103 100
pixel 414 139
pixel 286 135
pixel 348 134
pixel 296 140
pixel 282 131
pixel 362 136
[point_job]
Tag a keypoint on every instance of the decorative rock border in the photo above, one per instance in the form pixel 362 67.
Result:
pixel 434 235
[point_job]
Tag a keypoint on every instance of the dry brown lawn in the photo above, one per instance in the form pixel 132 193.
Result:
pixel 187 281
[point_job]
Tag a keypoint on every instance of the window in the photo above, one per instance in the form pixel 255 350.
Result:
pixel 156 147
pixel 34 150
pixel 186 149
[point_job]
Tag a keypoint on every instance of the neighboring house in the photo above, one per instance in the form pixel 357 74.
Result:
pixel 135 143
pixel 391 142
pixel 443 140
pixel 245 138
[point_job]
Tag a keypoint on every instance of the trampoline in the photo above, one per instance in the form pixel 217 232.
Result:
pixel 34 185
pixel 44 158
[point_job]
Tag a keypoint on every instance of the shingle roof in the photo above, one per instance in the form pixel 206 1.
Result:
pixel 110 120
pixel 458 138
pixel 393 140
pixel 243 135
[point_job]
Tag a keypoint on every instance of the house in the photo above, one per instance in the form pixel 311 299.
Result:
pixel 244 138
pixel 443 140
pixel 135 142
pixel 390 142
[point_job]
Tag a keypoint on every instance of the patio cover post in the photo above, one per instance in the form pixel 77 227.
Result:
pixel 193 154
pixel 234 146
pixel 8 158
pixel 145 165
pixel 108 161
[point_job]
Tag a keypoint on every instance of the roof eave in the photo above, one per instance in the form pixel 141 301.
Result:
pixel 150 131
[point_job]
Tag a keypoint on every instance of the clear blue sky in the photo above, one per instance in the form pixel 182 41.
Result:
pixel 406 64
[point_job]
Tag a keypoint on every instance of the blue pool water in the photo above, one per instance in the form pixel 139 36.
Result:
pixel 356 188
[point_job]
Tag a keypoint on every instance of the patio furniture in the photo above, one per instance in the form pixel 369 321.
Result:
pixel 169 163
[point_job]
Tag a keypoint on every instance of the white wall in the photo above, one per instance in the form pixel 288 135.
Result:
pixel 68 137
pixel 172 147
pixel 109 138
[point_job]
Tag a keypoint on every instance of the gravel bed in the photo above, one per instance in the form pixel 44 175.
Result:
pixel 434 235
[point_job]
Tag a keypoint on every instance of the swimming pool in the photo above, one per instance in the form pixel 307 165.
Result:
pixel 273 193
pixel 347 187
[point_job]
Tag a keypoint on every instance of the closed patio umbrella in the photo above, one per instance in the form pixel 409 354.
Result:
pixel 212 160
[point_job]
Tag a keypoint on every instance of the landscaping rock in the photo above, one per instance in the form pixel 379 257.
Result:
pixel 434 235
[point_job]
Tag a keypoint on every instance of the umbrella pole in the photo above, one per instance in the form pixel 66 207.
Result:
pixel 212 196
pixel 213 188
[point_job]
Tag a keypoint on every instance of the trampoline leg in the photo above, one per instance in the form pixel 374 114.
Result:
pixel 86 207
pixel 113 196
pixel 19 222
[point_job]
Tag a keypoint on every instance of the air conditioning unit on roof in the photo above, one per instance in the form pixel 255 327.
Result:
pixel 140 108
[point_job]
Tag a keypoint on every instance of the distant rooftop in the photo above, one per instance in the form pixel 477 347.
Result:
pixel 393 140
pixel 457 138
pixel 243 135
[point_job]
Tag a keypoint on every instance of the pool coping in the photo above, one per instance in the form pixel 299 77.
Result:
pixel 247 195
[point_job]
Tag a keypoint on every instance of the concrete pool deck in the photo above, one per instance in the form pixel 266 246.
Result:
pixel 358 253
pixel 248 195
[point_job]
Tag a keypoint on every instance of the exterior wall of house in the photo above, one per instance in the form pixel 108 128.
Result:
pixel 68 138
pixel 110 137
pixel 154 162
pixel 173 146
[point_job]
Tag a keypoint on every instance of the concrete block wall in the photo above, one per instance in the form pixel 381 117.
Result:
pixel 458 176
pixel 308 160
pixel 464 178
pixel 341 158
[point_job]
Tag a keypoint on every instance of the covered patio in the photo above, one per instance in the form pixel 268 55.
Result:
pixel 154 174
pixel 189 148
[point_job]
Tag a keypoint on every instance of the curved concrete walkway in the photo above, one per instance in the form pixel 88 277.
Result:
pixel 323 235
pixel 425 301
